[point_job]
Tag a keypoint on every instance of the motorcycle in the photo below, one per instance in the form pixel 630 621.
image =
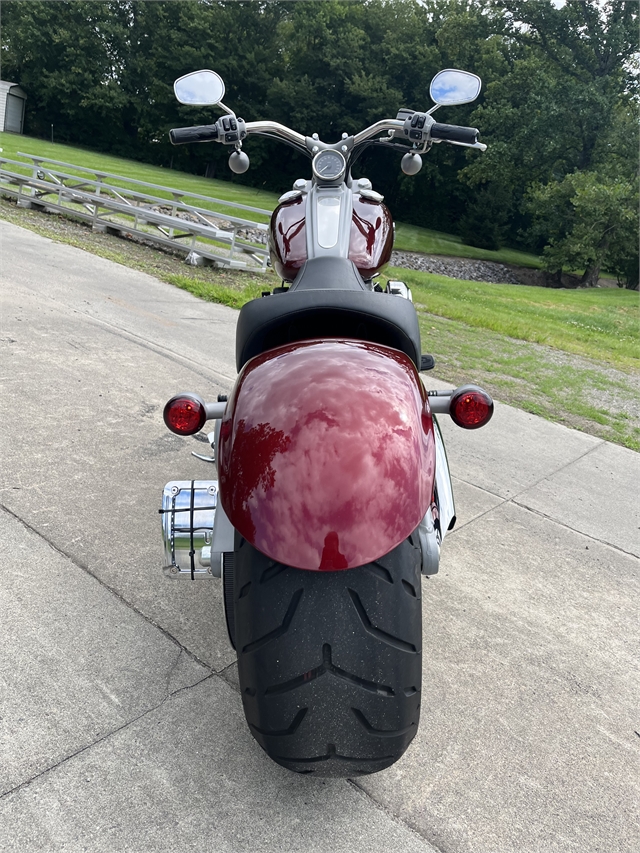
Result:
pixel 333 494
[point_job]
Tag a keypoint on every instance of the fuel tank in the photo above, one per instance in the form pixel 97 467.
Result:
pixel 370 242
pixel 327 453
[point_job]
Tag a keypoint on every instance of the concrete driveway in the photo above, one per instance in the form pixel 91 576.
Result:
pixel 121 728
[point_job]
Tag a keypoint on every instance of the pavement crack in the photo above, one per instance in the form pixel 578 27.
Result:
pixel 106 736
pixel 551 474
pixel 573 529
pixel 389 813
pixel 190 363
pixel 106 586
pixel 172 669
pixel 519 503
pixel 531 485
pixel 459 527
pixel 230 680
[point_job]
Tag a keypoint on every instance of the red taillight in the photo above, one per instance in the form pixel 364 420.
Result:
pixel 185 414
pixel 470 407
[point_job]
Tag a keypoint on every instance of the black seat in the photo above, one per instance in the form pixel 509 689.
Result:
pixel 328 274
pixel 314 308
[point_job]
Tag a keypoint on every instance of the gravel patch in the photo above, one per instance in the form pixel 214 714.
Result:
pixel 462 268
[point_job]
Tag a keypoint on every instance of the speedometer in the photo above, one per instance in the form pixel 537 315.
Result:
pixel 329 165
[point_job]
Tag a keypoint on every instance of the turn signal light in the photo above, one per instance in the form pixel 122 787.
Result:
pixel 470 407
pixel 185 414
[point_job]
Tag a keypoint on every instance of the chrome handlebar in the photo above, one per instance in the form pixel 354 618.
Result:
pixel 273 128
pixel 277 130
pixel 375 129
pixel 280 130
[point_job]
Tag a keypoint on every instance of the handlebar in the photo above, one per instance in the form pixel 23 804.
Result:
pixel 454 133
pixel 209 133
pixel 202 133
pixel 377 128
pixel 275 129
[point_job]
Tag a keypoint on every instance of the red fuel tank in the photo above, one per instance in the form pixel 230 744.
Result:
pixel 370 242
pixel 288 238
pixel 371 238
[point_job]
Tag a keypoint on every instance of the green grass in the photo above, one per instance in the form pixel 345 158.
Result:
pixel 599 323
pixel 225 190
pixel 409 238
pixel 228 287
pixel 577 392
pixel 491 334
pixel 234 297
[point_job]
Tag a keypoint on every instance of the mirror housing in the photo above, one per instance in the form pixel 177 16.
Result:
pixel 199 89
pixel 451 87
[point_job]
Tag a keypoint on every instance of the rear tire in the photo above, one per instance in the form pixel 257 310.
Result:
pixel 330 663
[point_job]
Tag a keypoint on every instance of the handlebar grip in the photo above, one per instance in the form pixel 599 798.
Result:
pixel 202 133
pixel 455 133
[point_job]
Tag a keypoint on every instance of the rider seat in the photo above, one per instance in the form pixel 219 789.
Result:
pixel 328 299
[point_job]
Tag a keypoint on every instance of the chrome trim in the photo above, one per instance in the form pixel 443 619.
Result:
pixel 439 402
pixel 444 487
pixel 340 249
pixel 230 559
pixel 203 458
pixel 289 196
pixel 479 145
pixel 334 178
pixel 379 127
pixel 276 130
pixel 399 288
pixel 188 511
pixel 429 544
pixel 211 438
pixel 370 194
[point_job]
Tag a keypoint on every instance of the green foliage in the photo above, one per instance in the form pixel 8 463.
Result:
pixel 484 223
pixel 556 83
pixel 590 220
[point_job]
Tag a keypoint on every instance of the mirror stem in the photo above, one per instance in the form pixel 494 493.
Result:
pixel 226 109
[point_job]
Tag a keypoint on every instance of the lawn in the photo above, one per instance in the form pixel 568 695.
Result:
pixel 599 323
pixel 409 238
pixel 569 355
pixel 225 190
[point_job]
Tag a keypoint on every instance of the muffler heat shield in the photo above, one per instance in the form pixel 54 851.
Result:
pixel 326 454
pixel 188 512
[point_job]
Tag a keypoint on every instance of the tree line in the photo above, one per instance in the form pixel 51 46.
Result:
pixel 558 107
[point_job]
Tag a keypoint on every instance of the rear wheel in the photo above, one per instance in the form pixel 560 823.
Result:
pixel 330 663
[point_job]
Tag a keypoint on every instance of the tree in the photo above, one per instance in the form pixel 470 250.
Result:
pixel 588 219
pixel 557 81
pixel 67 57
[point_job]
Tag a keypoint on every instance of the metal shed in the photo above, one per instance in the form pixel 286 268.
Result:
pixel 12 101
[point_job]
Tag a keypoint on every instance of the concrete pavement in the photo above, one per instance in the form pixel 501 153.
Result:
pixel 120 728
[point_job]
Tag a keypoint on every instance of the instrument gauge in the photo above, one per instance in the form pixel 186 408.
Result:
pixel 329 165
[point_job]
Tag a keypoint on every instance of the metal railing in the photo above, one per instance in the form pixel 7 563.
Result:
pixel 200 233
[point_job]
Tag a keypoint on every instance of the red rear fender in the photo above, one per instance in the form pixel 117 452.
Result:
pixel 326 453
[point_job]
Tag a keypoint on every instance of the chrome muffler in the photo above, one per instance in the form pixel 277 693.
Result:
pixel 188 515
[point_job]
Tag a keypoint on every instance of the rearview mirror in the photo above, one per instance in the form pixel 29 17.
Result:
pixel 454 87
pixel 199 89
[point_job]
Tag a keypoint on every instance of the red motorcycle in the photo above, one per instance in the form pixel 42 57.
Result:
pixel 333 493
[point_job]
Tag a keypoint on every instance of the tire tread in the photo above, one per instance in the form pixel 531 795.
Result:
pixel 324 660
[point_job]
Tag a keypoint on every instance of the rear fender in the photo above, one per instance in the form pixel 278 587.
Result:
pixel 327 453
